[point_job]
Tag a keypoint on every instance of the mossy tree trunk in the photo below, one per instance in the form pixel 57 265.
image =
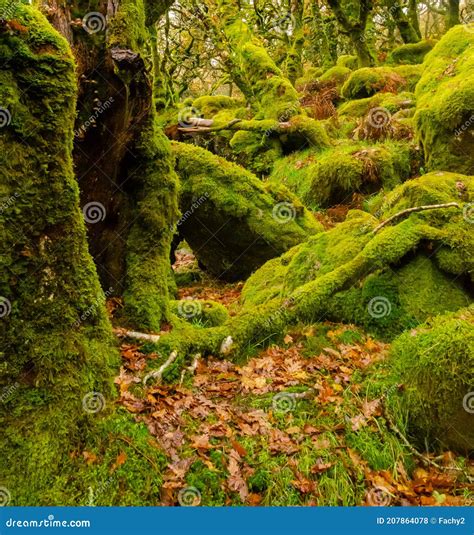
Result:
pixel 319 36
pixel 254 71
pixel 122 160
pixel 408 32
pixel 453 13
pixel 56 349
pixel 352 19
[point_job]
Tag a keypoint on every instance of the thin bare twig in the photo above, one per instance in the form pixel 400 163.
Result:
pixel 415 209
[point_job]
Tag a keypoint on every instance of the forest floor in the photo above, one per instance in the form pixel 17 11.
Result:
pixel 299 423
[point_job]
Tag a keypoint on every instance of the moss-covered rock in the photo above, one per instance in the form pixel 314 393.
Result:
pixel 322 179
pixel 205 313
pixel 231 220
pixel 336 75
pixel 405 289
pixel 390 101
pixel 435 363
pixel 56 350
pixel 365 82
pixel 444 118
pixel 411 53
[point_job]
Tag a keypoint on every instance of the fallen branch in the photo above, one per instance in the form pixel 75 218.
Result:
pixel 159 373
pixel 415 209
pixel 123 333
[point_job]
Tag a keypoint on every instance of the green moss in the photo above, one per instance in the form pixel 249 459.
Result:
pixel 222 203
pixel 309 75
pixel 435 362
pixel 399 290
pixel 336 75
pixel 148 245
pixel 209 106
pixel 346 60
pixel 332 176
pixel 55 344
pixel 444 116
pixel 365 82
pixel 391 102
pixel 411 53
pixel 205 313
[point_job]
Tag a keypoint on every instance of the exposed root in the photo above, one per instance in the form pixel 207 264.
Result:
pixel 415 209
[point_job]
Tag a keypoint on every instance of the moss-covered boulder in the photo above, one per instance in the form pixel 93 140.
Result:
pixel 435 363
pixel 365 82
pixel 336 76
pixel 322 179
pixel 406 288
pixel 56 351
pixel 231 220
pixel 206 313
pixel 411 53
pixel 444 118
pixel 391 102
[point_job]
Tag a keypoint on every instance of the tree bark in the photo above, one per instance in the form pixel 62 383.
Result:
pixel 354 25
pixel 128 176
